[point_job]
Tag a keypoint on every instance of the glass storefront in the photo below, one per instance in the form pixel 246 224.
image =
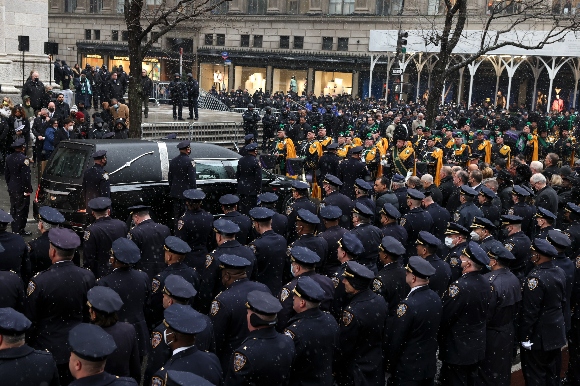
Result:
pixel 281 80
pixel 213 75
pixel 332 83
pixel 153 68
pixel 152 65
pixel 116 61
pixel 250 78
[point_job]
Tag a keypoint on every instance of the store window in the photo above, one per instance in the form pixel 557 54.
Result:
pixel 341 7
pixel 281 80
pixel 327 43
pixel 213 75
pixel 115 35
pixel 88 34
pixel 342 44
pixel 208 40
pixel 250 78
pixel 298 42
pixel 284 41
pixel 244 40
pixel 153 68
pixel 92 60
pixel 221 39
pixel 258 41
pixel 332 83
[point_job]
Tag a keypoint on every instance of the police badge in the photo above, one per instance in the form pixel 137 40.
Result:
pixel 454 262
pixel 179 225
pixel 403 221
pixel 208 260
pixel 87 235
pixel 27 162
pixel 456 216
pixel 532 283
pixel 156 381
pixel 156 339
pixel 509 246
pixel 284 294
pixel 336 280
pixel 377 284
pixel 215 307
pixel 578 262
pixel 401 310
pixel 453 290
pixel 239 361
pixel 288 210
pixel 155 285
pixel 347 318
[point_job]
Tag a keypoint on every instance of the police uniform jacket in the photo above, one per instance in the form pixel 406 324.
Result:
pixel 158 283
pixel 195 227
pixel 401 194
pixel 542 233
pixel 17 174
pixel 370 236
pixel 315 336
pixel 98 240
pixel 159 352
pixel 286 297
pixel 133 287
pixel 349 171
pixel 465 214
pixel 124 361
pixel 26 366
pixel 181 175
pixel 280 224
pixel 462 331
pixel 96 183
pixel 390 284
pixel 11 291
pixel 412 344
pixel 573 231
pixel 315 244
pixel 228 315
pixel 249 175
pixel 380 201
pixel 359 359
pixel 340 296
pixel 292 213
pixel 541 313
pixel 270 251
pixel 332 236
pixel 454 261
pixel 505 296
pixel 150 237
pixel 263 359
pixel 439 281
pixel 38 254
pixel 519 244
pixel 328 164
pixel 415 221
pixel 243 222
pixel 569 269
pixel 369 203
pixel 15 255
pixel 526 212
pixel 396 231
pixel 547 198
pixel 344 203
pixel 490 212
pixel 441 218
pixel 191 360
pixel 56 302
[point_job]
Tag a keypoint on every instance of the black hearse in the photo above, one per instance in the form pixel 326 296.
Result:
pixel 138 174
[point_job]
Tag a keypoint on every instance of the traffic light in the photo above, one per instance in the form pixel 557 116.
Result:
pixel 402 42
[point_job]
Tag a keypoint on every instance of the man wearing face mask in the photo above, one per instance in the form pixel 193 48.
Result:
pixel 517 243
pixel 544 223
pixel 96 180
pixel 34 88
pixel 462 329
pixel 455 241
pixel 482 230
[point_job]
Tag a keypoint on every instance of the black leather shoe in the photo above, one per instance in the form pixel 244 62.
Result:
pixel 180 119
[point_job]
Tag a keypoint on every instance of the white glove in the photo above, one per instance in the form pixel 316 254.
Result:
pixel 527 345
pixel 409 174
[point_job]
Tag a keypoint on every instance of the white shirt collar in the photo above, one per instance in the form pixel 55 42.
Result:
pixel 178 350
pixel 414 288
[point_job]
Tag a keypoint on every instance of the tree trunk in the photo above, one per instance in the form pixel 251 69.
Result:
pixel 136 55
pixel 436 90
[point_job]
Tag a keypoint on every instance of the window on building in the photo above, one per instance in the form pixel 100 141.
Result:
pixel 177 43
pixel 342 44
pixel 221 7
pixel 95 6
pixel 87 34
pixel 124 35
pixel 383 7
pixel 97 34
pixel 70 5
pixel 341 7
pixel 298 42
pixel 221 39
pixel 245 41
pixel 284 41
pixel 257 7
pixel 258 41
pixel 208 41
pixel 115 36
pixel 327 43
pixel 120 6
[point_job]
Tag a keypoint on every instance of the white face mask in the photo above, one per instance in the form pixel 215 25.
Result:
pixel 449 242
pixel 292 270
pixel 165 337
pixel 474 236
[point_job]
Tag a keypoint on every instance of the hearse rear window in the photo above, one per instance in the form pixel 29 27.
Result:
pixel 67 162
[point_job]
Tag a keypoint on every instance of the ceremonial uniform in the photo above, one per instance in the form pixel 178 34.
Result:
pixel 403 159
pixel 519 245
pixel 243 222
pixel 149 237
pixel 439 281
pixel 124 362
pixel 195 228
pixel 396 231
pixel 415 221
pixel 11 291
pixel 391 285
pixel 526 212
pixel 332 235
pixel 98 239
pixel 38 254
pixel 490 212
pixel 344 203
pixel 348 171
pixel 17 176
pixel 249 176
pixel 292 213
pixel 454 261
pixel 270 251
pixel 191 360
pixel 24 366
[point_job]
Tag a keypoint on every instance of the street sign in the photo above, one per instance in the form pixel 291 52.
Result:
pixel 227 62
pixel 396 71
pixel 224 55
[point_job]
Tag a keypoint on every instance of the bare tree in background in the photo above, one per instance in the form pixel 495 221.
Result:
pixel 497 26
pixel 145 25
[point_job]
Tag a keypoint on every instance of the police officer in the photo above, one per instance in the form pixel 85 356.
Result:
pixel 572 217
pixel 517 243
pixel 104 304
pixel 349 249
pixel 132 285
pixel 315 336
pixel 228 309
pixel 412 344
pixel 389 220
pixel 229 204
pixel 462 328
pixel 542 329
pixel 416 219
pixel 11 289
pixel 269 248
pixel 332 234
pixel 265 357
pixel 177 91
pixel 181 378
pixel 488 209
pixel 38 248
pixel 299 200
pixel 361 191
pixel 456 241
pixel 149 237
pixel 427 245
pixel 306 223
pixel 249 177
pixel 177 290
pixel 17 175
pixel 328 162
pixel 544 223
pixel 192 96
pixel 506 294
pixel 369 235
pixel 279 221
pixel 14 254
pixel 56 299
pixel 251 119
pixel 269 122
pixel 481 232
pixel 21 364
pixel 182 325
pixel 181 177
pixel 90 346
pixel 361 331
pixel 561 242
pixel 440 215
pixel 302 263
pixel 522 209
pixel 99 236
pixel 467 210
pixel 96 180
pixel 195 228
pixel 400 190
pixel 175 251
pixel 350 169
pixel 331 185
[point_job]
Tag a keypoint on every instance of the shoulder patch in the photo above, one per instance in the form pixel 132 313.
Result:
pixel 105 176
pixel 511 211
pixel 193 163
pixel 377 285
pixel 453 290
pixel 239 361
pixel 509 246
pixel 401 310
pixel 578 262
pixel 179 225
pixel 403 221
pixel 155 339
pixel 454 262
pixel 335 281
pixel 253 248
pixel 456 216
pixel 532 283
pixel 289 334
pixel 284 294
pixel 215 307
pixel 31 288
pixel 208 260
pixel 155 285
pixel 347 318
pixel 129 236
pixel 87 235
pixel 288 210
pixel 156 381
pixel 26 162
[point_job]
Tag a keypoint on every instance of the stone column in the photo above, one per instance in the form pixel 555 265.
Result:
pixel 231 77
pixel 310 80
pixel 355 75
pixel 269 76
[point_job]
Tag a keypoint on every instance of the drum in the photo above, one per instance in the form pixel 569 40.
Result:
pixel 294 166
pixel 268 161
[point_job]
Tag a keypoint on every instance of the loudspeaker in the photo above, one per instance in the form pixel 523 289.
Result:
pixel 23 43
pixel 51 48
